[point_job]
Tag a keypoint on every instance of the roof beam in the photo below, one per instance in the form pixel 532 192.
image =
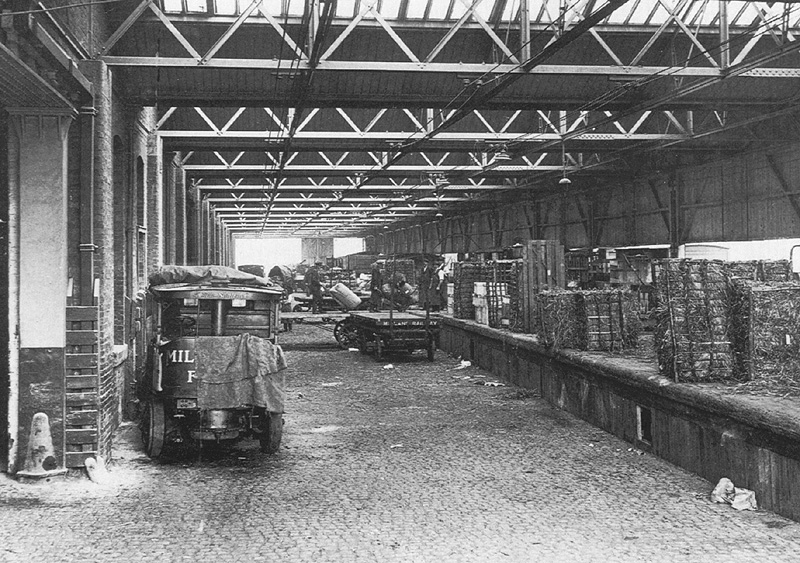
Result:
pixel 449 68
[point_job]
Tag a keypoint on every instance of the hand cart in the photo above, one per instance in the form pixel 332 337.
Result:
pixel 390 331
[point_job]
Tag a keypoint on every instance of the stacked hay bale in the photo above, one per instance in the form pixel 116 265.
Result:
pixel 514 281
pixel 465 274
pixel 558 313
pixel 692 332
pixel 760 270
pixel 603 320
pixel 767 334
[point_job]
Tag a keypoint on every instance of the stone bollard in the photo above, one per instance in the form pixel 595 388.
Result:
pixel 40 461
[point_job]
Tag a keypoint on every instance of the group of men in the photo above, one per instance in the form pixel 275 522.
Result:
pixel 399 291
pixel 396 289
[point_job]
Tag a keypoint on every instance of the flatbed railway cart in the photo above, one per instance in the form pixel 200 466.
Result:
pixel 393 331
pixel 214 369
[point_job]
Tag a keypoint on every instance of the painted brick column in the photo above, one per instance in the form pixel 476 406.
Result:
pixel 155 207
pixel 180 216
pixel 38 156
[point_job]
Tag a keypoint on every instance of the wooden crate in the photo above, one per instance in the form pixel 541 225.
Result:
pixel 542 268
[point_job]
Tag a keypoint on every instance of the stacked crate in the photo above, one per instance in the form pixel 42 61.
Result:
pixel 450 299
pixel 395 267
pixel 347 277
pixel 359 263
pixel 611 319
pixel 480 302
pixel 597 320
pixel 692 332
pixel 465 274
pixel 497 304
pixel 503 294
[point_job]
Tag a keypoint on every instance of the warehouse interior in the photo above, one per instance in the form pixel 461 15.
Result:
pixel 620 160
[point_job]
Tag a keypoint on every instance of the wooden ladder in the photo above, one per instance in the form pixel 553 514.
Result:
pixel 82 381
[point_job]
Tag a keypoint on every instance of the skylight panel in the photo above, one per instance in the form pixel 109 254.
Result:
pixel 416 8
pixel 390 8
pixel 196 6
pixel 438 9
pixel 225 7
pixel 511 11
pixel 641 12
pixel 458 9
pixel 173 6
pixel 552 10
pixel 700 13
pixel 296 7
pixel 484 9
pixel 746 14
pixel 346 8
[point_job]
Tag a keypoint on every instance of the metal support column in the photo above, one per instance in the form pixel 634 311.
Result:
pixel 525 29
pixel 724 51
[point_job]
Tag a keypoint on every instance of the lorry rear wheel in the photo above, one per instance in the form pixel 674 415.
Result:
pixel 154 428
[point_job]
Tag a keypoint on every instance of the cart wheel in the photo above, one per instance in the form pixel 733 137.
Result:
pixel 270 438
pixel 153 428
pixel 345 333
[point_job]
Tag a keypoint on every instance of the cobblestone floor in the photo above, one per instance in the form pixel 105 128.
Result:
pixel 412 464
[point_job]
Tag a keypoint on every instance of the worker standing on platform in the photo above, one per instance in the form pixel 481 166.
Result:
pixel 314 287
pixel 428 281
pixel 375 288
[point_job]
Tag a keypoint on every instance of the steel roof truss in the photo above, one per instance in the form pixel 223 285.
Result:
pixel 164 118
pixel 366 7
pixel 277 120
pixel 125 26
pixel 175 33
pixel 664 25
pixel 230 31
pixel 284 36
pixel 450 33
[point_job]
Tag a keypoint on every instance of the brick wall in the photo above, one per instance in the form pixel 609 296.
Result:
pixel 89 25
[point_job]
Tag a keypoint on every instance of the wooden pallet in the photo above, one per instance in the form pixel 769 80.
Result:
pixel 82 386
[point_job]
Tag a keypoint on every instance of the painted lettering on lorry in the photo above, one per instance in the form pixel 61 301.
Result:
pixel 180 357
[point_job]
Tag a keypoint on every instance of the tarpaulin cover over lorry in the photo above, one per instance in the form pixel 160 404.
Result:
pixel 280 272
pixel 172 274
pixel 242 370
